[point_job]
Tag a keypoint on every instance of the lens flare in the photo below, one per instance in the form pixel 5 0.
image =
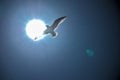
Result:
pixel 35 29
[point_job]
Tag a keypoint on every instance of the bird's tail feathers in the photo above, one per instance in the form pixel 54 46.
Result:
pixel 54 34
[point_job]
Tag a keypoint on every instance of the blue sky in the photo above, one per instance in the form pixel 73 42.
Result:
pixel 90 24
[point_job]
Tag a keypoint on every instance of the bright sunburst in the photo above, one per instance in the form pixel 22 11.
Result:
pixel 35 29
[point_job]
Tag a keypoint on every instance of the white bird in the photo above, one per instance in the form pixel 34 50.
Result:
pixel 51 29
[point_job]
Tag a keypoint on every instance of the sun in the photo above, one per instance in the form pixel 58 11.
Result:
pixel 35 29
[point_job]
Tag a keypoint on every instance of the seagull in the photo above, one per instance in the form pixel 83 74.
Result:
pixel 51 29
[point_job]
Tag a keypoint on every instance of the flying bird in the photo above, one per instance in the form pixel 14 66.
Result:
pixel 51 29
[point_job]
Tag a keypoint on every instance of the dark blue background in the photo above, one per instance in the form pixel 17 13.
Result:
pixel 90 24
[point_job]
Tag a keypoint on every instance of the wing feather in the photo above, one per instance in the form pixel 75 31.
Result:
pixel 57 22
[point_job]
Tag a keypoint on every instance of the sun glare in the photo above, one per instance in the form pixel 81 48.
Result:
pixel 35 29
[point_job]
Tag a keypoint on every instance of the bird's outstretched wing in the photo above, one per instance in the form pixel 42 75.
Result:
pixel 57 22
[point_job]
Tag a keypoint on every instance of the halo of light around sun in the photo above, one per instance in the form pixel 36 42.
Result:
pixel 35 29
